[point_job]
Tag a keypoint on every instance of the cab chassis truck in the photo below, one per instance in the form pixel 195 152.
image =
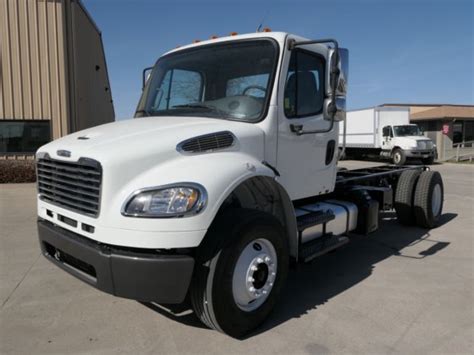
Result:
pixel 227 175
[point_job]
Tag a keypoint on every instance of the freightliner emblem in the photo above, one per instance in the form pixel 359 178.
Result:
pixel 64 153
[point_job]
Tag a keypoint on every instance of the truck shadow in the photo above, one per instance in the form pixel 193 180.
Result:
pixel 314 284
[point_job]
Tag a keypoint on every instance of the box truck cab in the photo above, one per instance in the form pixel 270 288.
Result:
pixel 386 132
pixel 227 173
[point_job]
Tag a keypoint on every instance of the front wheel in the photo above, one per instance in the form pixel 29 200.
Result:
pixel 398 157
pixel 236 288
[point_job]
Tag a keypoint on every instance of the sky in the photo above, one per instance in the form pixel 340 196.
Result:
pixel 401 51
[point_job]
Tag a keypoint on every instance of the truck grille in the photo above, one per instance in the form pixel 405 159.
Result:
pixel 425 145
pixel 72 185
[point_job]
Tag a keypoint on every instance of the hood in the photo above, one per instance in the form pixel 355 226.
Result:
pixel 150 139
pixel 410 142
pixel 416 138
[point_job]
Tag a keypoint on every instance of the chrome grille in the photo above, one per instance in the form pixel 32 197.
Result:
pixel 207 142
pixel 72 185
pixel 425 145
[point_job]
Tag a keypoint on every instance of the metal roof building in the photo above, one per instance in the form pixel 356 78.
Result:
pixel 53 74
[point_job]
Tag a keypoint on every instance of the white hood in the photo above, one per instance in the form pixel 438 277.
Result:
pixel 144 137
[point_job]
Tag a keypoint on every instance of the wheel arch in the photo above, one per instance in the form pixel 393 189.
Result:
pixel 265 194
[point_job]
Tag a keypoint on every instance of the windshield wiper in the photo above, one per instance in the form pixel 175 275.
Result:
pixel 203 106
pixel 195 106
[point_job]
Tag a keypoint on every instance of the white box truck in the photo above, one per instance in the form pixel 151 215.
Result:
pixel 386 132
pixel 227 173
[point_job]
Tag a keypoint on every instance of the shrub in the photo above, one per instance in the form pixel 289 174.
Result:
pixel 16 171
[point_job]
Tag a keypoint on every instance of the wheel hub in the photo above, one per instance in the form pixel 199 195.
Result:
pixel 254 274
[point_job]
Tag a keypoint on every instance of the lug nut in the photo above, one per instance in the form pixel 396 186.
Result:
pixel 259 260
pixel 253 268
pixel 267 259
pixel 250 279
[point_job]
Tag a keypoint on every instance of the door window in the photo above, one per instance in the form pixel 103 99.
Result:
pixel 304 90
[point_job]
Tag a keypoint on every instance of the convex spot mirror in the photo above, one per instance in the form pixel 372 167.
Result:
pixel 145 76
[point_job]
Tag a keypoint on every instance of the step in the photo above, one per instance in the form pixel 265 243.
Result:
pixel 322 245
pixel 313 219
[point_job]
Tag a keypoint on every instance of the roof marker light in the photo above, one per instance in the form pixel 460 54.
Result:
pixel 214 37
pixel 196 41
pixel 267 29
pixel 233 33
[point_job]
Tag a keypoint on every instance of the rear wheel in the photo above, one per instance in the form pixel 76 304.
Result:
pixel 404 196
pixel 398 157
pixel 236 288
pixel 429 196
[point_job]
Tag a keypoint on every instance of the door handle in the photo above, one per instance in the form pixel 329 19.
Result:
pixel 296 128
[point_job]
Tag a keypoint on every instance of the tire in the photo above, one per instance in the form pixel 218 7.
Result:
pixel 404 197
pixel 429 196
pixel 398 157
pixel 428 161
pixel 217 286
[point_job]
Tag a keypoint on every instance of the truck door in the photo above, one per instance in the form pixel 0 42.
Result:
pixel 387 135
pixel 307 163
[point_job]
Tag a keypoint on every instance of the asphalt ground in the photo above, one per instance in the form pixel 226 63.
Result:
pixel 399 290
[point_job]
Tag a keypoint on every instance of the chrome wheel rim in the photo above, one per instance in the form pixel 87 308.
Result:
pixel 254 274
pixel 436 200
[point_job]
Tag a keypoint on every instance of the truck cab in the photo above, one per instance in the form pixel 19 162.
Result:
pixel 226 174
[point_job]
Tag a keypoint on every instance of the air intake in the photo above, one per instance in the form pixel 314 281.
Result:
pixel 207 142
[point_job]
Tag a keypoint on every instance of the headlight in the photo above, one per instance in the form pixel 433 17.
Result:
pixel 166 201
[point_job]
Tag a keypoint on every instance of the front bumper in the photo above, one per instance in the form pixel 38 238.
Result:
pixel 420 153
pixel 139 274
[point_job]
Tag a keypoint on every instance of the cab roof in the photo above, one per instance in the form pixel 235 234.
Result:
pixel 280 37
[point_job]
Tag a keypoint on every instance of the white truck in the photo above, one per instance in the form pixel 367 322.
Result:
pixel 226 175
pixel 386 132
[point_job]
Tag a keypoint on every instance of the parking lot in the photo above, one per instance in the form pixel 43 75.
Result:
pixel 399 290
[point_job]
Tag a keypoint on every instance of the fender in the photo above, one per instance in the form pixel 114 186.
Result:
pixel 220 173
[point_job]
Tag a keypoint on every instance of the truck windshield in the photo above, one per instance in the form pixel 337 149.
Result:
pixel 228 80
pixel 411 130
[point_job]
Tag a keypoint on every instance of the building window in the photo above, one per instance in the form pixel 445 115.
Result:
pixel 23 137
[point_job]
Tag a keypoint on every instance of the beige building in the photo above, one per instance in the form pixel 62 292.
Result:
pixel 447 125
pixel 53 74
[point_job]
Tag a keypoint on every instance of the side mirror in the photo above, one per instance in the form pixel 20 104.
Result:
pixel 338 66
pixel 145 76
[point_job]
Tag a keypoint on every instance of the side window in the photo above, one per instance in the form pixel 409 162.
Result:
pixel 179 87
pixel 304 90
pixel 387 131
pixel 253 85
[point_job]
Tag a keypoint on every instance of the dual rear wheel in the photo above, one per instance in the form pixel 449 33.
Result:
pixel 419 198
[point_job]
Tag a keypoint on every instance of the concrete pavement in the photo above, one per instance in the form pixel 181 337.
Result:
pixel 399 290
